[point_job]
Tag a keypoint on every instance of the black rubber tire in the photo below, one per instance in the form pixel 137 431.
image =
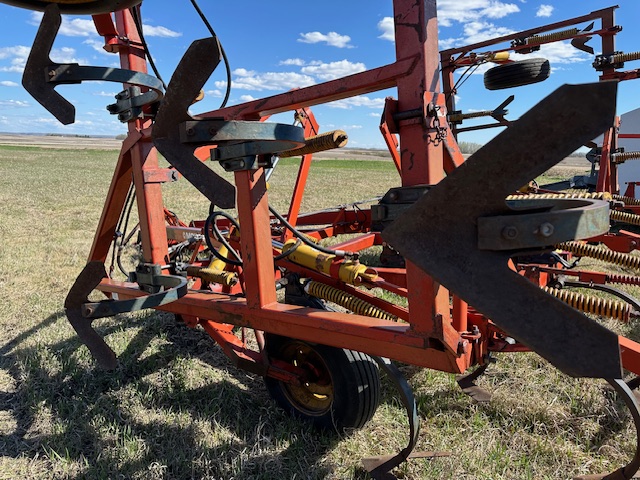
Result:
pixel 86 7
pixel 354 377
pixel 517 74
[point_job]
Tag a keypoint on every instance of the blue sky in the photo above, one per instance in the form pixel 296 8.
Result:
pixel 276 46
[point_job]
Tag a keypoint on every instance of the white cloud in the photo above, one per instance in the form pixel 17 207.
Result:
pixel 18 55
pixel 246 98
pixel 557 53
pixel 70 27
pixel 105 94
pixel 357 101
pixel 386 26
pixel 332 38
pixel 544 11
pixel 97 45
pixel 330 71
pixel 479 31
pixel 151 31
pixel 474 32
pixel 80 27
pixel 250 80
pixel 18 58
pixel 450 11
pixel 13 103
pixel 8 83
pixel 296 62
pixel 214 93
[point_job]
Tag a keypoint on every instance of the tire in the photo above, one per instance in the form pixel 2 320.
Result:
pixel 516 74
pixel 343 391
pixel 87 7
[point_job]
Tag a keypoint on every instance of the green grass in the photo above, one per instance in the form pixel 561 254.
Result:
pixel 175 408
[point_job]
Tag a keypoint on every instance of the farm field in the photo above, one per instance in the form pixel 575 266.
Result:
pixel 176 409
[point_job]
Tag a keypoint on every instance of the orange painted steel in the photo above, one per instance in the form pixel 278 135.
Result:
pixel 434 329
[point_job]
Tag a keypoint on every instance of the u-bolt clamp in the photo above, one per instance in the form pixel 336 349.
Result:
pixel 41 75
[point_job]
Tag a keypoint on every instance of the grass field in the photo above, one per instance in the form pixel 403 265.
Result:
pixel 176 409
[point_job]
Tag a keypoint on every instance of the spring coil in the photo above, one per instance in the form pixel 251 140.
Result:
pixel 619 278
pixel 584 250
pixel 319 143
pixel 594 195
pixel 589 304
pixel 625 217
pixel 551 37
pixel 626 200
pixel 346 300
pixel 624 156
pixel 625 57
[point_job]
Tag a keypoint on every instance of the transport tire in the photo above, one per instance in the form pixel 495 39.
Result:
pixel 516 74
pixel 82 7
pixel 343 388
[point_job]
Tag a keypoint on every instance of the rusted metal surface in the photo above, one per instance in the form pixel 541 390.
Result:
pixel 439 233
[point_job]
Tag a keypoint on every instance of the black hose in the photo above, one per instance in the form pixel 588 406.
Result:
pixel 303 238
pixel 224 55
pixel 138 24
pixel 211 224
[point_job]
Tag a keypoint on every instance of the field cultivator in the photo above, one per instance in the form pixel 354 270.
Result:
pixel 463 245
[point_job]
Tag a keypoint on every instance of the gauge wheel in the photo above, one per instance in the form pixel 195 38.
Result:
pixel 86 7
pixel 341 390
pixel 516 74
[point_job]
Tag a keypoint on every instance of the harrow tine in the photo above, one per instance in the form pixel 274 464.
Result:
pixel 440 233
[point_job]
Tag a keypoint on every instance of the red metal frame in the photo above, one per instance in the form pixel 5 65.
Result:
pixel 434 330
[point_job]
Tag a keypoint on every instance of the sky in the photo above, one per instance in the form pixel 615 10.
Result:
pixel 276 46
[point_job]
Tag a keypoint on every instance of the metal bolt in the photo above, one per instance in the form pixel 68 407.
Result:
pixel 213 131
pixel 52 73
pixel 190 132
pixel 393 196
pixel 546 229
pixel 509 232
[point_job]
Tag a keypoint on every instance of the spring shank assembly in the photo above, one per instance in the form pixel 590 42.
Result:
pixel 589 304
pixel 600 253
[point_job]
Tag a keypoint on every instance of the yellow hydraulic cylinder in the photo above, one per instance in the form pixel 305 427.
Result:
pixel 348 271
pixel 214 272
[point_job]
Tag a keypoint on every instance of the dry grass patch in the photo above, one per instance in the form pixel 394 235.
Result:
pixel 175 408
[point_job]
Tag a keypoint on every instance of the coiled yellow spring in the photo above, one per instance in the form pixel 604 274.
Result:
pixel 584 250
pixel 626 57
pixel 598 306
pixel 625 217
pixel 626 200
pixel 594 195
pixel 624 156
pixel 551 37
pixel 346 300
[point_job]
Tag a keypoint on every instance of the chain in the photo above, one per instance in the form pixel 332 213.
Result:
pixel 441 132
